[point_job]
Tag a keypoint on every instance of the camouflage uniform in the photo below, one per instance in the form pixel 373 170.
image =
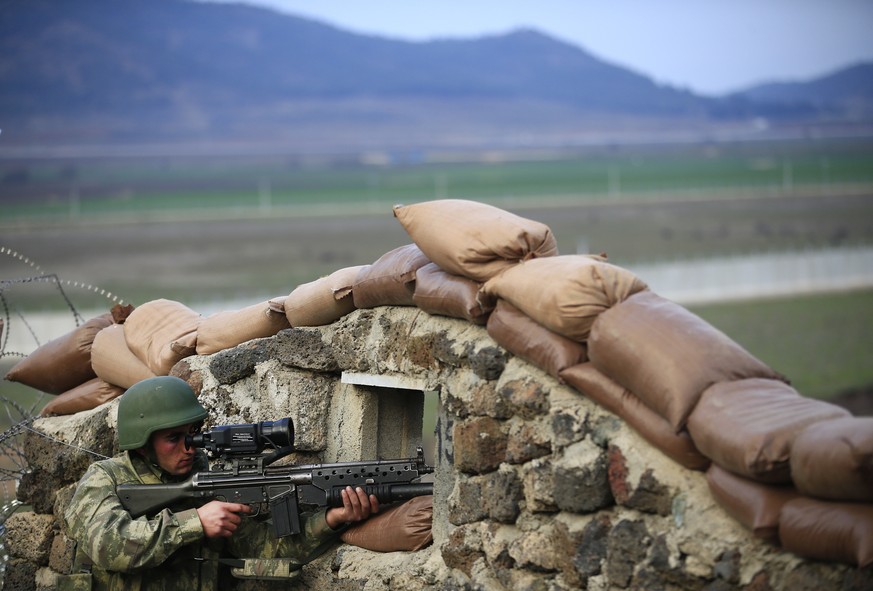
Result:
pixel 168 551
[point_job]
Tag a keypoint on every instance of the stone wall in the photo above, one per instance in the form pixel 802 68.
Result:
pixel 536 487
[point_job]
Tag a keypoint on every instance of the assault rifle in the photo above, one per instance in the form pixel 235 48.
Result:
pixel 242 473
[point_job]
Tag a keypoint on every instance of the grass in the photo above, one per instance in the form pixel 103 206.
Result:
pixel 822 343
pixel 91 189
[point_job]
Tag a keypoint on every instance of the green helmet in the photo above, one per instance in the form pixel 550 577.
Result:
pixel 154 404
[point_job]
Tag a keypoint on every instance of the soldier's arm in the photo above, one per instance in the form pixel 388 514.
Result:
pixel 112 539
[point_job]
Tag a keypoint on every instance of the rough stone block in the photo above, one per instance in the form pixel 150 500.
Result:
pixel 538 486
pixel 480 445
pixel 463 548
pixel 20 575
pixel 627 545
pixel 502 494
pixel 304 348
pixel 465 501
pixel 528 398
pixel 528 440
pixel 581 480
pixel 536 550
pixel 29 536
pixel 61 554
pixel 488 362
pixel 232 365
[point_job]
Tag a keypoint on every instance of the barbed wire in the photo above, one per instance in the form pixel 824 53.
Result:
pixel 13 460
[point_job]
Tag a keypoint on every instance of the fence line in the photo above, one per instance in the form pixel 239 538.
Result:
pixel 720 279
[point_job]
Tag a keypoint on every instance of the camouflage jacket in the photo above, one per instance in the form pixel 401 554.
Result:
pixel 169 550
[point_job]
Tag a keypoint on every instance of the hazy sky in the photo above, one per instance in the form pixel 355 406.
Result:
pixel 708 46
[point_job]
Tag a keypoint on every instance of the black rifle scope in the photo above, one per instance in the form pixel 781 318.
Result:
pixel 245 439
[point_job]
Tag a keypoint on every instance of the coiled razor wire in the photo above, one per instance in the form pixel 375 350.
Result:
pixel 19 417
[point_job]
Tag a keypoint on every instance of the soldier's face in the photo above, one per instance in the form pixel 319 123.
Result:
pixel 169 446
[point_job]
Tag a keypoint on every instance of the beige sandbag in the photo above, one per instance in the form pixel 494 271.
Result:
pixel 834 459
pixel 667 355
pixel 86 396
pixel 401 528
pixel 564 293
pixel 833 532
pixel 62 363
pixel 229 328
pixel 444 294
pixel 620 401
pixel 161 333
pixel 755 505
pixel 324 300
pixel 471 239
pixel 114 362
pixel 513 330
pixel 749 426
pixel 390 281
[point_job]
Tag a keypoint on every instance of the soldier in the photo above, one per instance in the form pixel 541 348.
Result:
pixel 181 548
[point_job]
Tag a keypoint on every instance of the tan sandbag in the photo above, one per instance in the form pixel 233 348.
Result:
pixel 620 401
pixel 667 355
pixel 114 362
pixel 229 328
pixel 62 363
pixel 323 301
pixel 472 239
pixel 444 294
pixel 833 532
pixel 749 426
pixel 86 396
pixel 755 505
pixel 161 333
pixel 401 528
pixel 834 460
pixel 564 293
pixel 513 330
pixel 390 281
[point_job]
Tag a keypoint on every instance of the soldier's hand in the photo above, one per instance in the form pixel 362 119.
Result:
pixel 220 519
pixel 357 506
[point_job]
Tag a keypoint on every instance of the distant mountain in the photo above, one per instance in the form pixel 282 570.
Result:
pixel 146 70
pixel 848 92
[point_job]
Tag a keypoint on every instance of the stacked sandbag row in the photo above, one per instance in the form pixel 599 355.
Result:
pixel 479 263
pixel 794 470
pixel 99 360
pixel 63 367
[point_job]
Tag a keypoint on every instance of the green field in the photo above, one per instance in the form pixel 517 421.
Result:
pixel 90 189
pixel 216 232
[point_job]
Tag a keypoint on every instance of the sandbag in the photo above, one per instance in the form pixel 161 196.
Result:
pixel 522 336
pixel 323 301
pixel 444 294
pixel 86 396
pixel 113 361
pixel 620 401
pixel 755 505
pixel 667 355
pixel 401 528
pixel 120 312
pixel 834 459
pixel 564 293
pixel 229 328
pixel 62 363
pixel 390 281
pixel 749 426
pixel 161 333
pixel 834 532
pixel 471 239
